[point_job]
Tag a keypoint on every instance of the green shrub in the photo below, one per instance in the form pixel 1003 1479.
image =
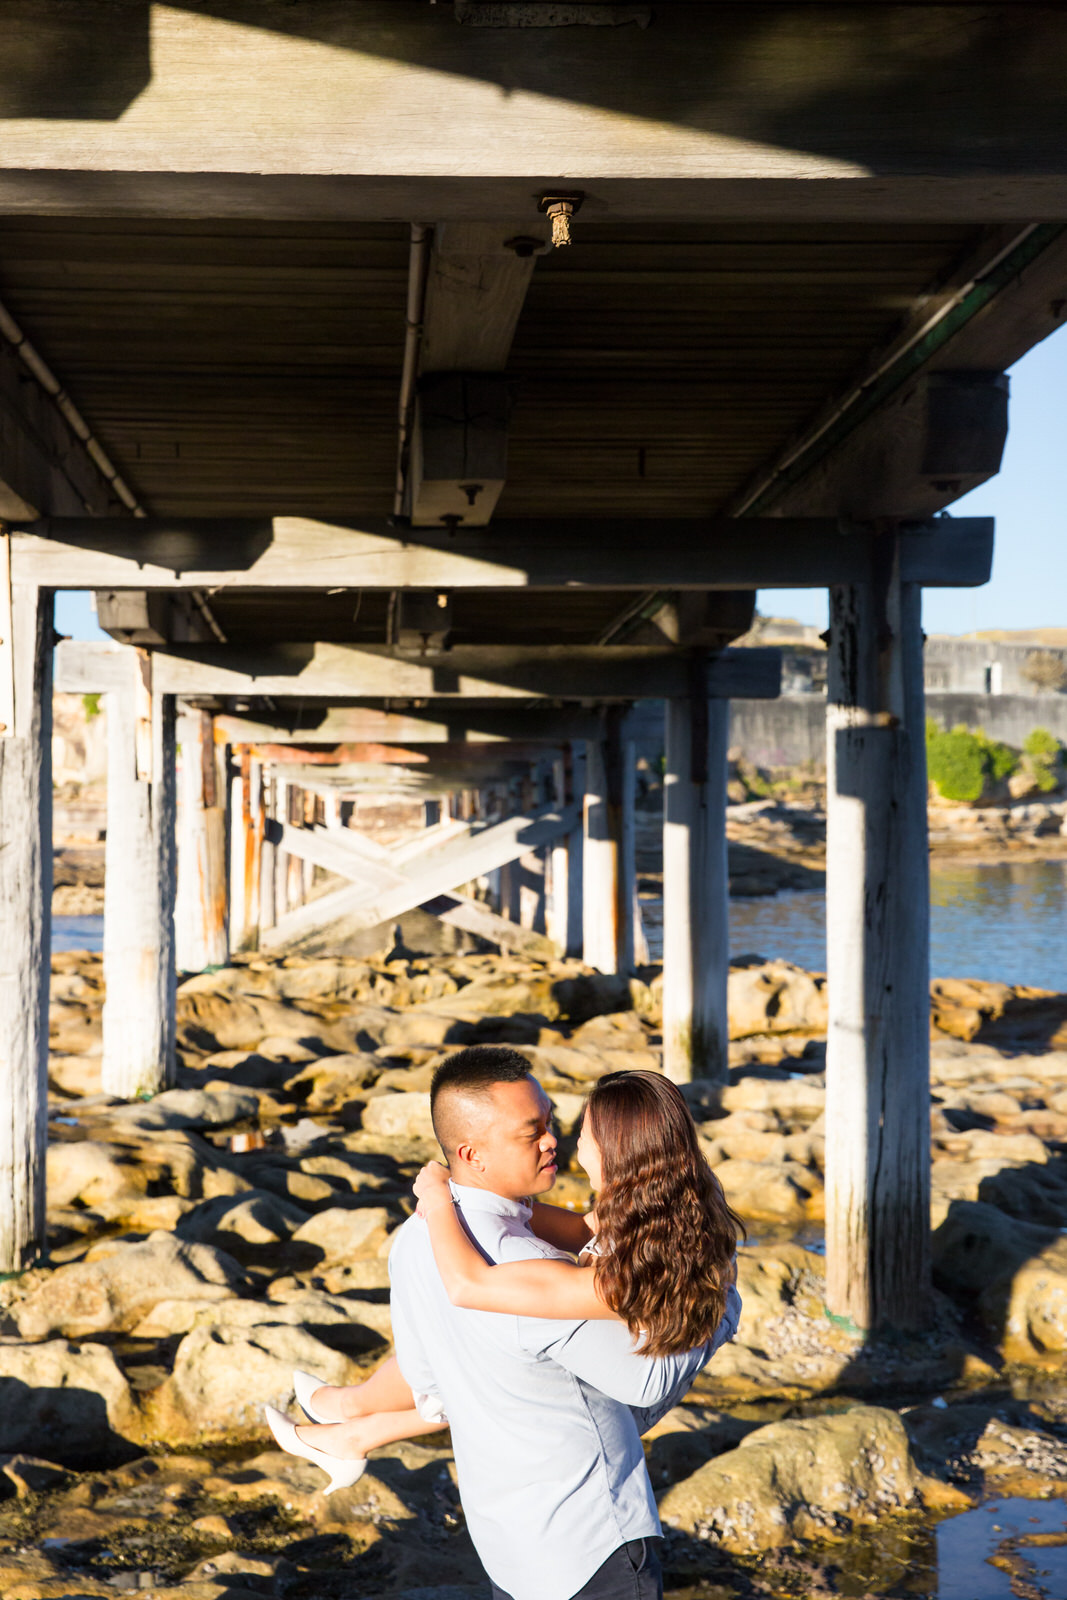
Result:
pixel 91 702
pixel 1040 742
pixel 962 761
pixel 1043 750
pixel 1001 759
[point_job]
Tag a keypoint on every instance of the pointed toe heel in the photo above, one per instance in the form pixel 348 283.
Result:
pixel 342 1474
pixel 304 1386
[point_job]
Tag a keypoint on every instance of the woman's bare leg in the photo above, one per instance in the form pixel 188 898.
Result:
pixel 384 1391
pixel 356 1438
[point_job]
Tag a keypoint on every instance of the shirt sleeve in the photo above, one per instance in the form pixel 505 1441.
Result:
pixel 408 1347
pixel 647 1416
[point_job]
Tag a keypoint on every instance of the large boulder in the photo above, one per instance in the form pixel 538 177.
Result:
pixel 813 1479
pixel 68 1402
pixel 782 1191
pixel 118 1283
pixel 775 997
pixel 93 1173
pixel 250 1226
pixel 342 1234
pixel 223 1377
pixel 1014 1275
pixel 399 1116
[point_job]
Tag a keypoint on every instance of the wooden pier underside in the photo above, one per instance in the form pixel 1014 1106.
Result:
pixel 293 379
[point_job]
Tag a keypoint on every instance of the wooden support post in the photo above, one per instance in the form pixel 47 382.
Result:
pixel 25 898
pixel 139 889
pixel 563 914
pixel 252 827
pixel 237 861
pixel 696 928
pixel 877 933
pixel 608 870
pixel 268 855
pixel 200 932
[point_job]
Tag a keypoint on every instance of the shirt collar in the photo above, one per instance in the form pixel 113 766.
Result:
pixel 470 1199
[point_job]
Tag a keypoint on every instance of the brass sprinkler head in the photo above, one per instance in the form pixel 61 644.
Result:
pixel 561 208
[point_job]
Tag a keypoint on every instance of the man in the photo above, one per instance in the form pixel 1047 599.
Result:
pixel 546 1416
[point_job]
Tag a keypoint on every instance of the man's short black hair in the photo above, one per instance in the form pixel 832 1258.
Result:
pixel 473 1072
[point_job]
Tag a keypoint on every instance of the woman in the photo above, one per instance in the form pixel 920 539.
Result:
pixel 656 1253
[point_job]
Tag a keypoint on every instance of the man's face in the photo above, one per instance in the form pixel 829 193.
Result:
pixel 514 1147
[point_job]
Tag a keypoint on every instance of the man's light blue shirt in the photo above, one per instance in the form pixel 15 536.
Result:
pixel 546 1416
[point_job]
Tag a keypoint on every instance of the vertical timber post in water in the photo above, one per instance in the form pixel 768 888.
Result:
pixel 696 921
pixel 139 971
pixel 26 641
pixel 201 938
pixel 608 859
pixel 877 935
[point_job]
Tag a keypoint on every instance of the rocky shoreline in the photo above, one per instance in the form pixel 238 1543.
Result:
pixel 204 1243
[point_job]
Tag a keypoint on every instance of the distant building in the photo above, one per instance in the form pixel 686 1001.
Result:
pixel 993 666
pixel 978 664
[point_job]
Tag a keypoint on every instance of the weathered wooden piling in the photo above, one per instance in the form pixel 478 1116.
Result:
pixel 200 932
pixel 696 924
pixel 25 898
pixel 608 862
pixel 877 934
pixel 139 892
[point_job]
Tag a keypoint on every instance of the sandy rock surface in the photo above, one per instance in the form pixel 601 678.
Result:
pixel 204 1243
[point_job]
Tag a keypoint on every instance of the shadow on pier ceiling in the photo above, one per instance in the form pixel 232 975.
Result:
pixel 890 88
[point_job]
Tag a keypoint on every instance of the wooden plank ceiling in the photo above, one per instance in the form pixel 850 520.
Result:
pixel 242 368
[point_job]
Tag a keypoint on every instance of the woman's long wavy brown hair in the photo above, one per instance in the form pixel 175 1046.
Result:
pixel 666 1233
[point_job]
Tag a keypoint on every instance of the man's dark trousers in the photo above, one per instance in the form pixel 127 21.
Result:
pixel 632 1572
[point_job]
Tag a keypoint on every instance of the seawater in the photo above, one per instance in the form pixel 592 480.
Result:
pixel 1006 922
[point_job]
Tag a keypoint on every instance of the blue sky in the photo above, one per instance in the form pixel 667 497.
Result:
pixel 1028 498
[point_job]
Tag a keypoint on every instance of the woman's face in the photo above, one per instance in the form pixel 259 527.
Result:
pixel 588 1153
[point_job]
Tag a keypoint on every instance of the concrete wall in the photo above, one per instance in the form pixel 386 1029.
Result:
pixel 791 731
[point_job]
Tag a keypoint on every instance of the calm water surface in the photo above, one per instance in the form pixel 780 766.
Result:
pixel 1006 922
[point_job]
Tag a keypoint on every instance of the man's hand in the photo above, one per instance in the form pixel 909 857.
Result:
pixel 431 1188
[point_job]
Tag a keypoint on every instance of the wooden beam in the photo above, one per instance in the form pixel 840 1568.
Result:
pixel 457 861
pixel 473 916
pixel 882 459
pixel 332 672
pixel 595 553
pixel 475 291
pixel 396 102
pixel 342 755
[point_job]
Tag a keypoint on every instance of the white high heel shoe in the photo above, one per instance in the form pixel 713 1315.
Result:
pixel 342 1474
pixel 304 1386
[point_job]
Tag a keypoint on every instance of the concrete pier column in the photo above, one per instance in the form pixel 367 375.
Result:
pixel 608 864
pixel 877 934
pixel 201 938
pixel 25 924
pixel 139 889
pixel 696 888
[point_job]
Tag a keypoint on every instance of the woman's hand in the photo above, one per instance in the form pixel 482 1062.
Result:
pixel 431 1187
